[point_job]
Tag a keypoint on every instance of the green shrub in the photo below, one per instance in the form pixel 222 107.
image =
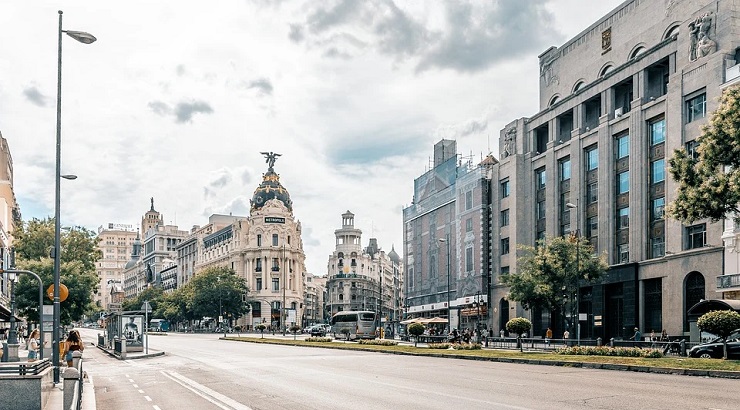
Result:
pixel 467 346
pixel 609 351
pixel 319 339
pixel 441 346
pixel 518 325
pixel 379 342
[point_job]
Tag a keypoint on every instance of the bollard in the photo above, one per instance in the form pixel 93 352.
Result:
pixel 683 347
pixel 611 342
pixel 598 341
pixel 123 349
pixel 71 376
pixel 76 357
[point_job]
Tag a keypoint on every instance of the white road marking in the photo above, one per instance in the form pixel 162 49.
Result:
pixel 156 407
pixel 141 391
pixel 131 380
pixel 211 395
pixel 128 376
pixel 136 386
pixel 148 398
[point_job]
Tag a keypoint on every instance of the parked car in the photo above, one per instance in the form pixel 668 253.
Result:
pixel 320 330
pixel 714 349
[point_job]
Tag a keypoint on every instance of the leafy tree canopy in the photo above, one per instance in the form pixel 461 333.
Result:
pixel 518 325
pixel 720 322
pixel 547 273
pixel 218 290
pixel 709 185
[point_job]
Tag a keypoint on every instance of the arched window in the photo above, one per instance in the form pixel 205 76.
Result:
pixel 503 311
pixel 554 100
pixel 606 69
pixel 579 85
pixel 637 51
pixel 693 293
pixel 672 31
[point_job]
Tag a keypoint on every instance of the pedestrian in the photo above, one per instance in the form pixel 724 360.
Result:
pixel 548 336
pixel 501 333
pixel 566 334
pixel 664 336
pixel 653 339
pixel 33 345
pixel 73 343
pixel 637 336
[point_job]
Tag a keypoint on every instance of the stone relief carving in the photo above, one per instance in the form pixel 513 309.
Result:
pixel 700 44
pixel 669 6
pixel 548 73
pixel 509 142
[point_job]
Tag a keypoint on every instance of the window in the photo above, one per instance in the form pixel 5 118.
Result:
pixel 623 218
pixel 258 266
pixel 623 146
pixel 275 264
pixel 468 200
pixel 540 210
pixel 623 253
pixel 696 108
pixel 275 284
pixel 259 283
pixel 505 246
pixel 691 149
pixel 657 247
pixel 592 226
pixel 469 259
pixel 540 178
pixel 657 132
pixel 657 171
pixel 274 239
pixel 259 239
pixel 592 159
pixel 623 182
pixel 592 192
pixel 564 166
pixel 653 304
pixel 469 225
pixel 505 189
pixel 658 209
pixel 505 217
pixel 696 236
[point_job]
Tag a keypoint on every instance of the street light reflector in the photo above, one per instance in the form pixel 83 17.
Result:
pixel 81 36
pixel 571 205
pixel 69 176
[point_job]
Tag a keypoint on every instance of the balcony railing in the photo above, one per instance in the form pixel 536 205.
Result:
pixel 728 282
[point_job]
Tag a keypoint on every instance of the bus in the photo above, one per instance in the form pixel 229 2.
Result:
pixel 361 324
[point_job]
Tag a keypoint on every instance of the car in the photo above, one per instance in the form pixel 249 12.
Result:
pixel 320 330
pixel 714 349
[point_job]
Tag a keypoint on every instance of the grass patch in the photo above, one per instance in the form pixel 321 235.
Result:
pixel 671 362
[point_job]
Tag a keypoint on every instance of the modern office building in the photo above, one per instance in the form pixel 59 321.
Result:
pixel 363 278
pixel 615 102
pixel 447 240
pixel 115 242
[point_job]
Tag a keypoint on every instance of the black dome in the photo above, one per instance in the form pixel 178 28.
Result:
pixel 270 188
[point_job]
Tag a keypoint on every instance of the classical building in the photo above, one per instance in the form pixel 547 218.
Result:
pixel 115 242
pixel 615 102
pixel 134 272
pixel 363 279
pixel 313 299
pixel 158 251
pixel 10 217
pixel 446 240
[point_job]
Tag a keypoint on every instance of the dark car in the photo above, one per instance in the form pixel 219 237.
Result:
pixel 319 330
pixel 714 349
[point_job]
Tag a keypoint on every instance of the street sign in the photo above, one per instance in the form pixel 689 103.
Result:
pixel 146 307
pixel 63 292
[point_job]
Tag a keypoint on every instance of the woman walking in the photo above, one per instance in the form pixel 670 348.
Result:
pixel 73 343
pixel 33 345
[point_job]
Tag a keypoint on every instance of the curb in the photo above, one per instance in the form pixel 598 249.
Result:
pixel 131 357
pixel 725 374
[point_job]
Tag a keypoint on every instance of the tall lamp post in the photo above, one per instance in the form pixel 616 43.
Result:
pixel 574 308
pixel 84 38
pixel 449 308
pixel 284 311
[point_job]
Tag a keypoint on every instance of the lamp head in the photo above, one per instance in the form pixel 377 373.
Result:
pixel 69 176
pixel 81 36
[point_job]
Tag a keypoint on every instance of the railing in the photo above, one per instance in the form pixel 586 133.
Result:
pixel 25 369
pixel 732 73
pixel 73 383
pixel 728 281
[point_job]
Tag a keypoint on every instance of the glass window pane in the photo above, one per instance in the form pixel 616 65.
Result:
pixel 657 132
pixel 623 182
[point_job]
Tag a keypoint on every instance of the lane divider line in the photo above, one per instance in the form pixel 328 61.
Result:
pixel 211 395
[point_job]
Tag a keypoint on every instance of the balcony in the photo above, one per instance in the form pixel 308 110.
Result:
pixel 728 283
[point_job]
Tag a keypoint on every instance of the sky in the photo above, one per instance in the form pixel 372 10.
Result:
pixel 176 100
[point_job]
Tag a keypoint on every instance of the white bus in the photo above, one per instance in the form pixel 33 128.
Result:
pixel 360 324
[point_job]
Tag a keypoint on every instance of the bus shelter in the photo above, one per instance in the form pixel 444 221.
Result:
pixel 128 326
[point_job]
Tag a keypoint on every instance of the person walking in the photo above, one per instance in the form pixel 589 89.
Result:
pixel 637 336
pixel 33 345
pixel 548 336
pixel 73 343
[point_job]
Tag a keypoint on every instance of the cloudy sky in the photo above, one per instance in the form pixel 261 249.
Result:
pixel 176 100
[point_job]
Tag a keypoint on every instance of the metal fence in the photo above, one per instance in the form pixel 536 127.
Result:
pixel 25 368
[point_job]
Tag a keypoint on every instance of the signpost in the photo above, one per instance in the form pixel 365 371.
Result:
pixel 147 308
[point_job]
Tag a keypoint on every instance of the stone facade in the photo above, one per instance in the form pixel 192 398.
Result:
pixel 115 242
pixel 10 217
pixel 615 102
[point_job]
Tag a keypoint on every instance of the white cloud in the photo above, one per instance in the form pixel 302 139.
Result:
pixel 353 93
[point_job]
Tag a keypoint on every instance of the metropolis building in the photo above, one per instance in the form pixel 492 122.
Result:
pixel 615 102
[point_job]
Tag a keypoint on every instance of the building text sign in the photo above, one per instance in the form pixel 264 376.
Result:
pixel 274 220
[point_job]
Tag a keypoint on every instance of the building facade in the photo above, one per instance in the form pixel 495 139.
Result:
pixel 313 300
pixel 115 242
pixel 447 240
pixel 363 278
pixel 10 217
pixel 615 102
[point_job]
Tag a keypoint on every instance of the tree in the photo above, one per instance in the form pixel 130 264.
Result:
pixel 175 306
pixel 547 274
pixel 416 330
pixel 153 295
pixel 33 242
pixel 709 184
pixel 720 322
pixel 218 291
pixel 294 329
pixel 519 326
pixel 261 327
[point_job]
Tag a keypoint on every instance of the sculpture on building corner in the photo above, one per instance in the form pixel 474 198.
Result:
pixel 271 157
pixel 509 142
pixel 700 44
pixel 547 72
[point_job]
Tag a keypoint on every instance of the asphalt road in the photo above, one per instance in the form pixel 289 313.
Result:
pixel 201 372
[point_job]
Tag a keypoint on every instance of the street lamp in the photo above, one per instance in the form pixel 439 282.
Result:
pixel 449 308
pixel 574 308
pixel 84 38
pixel 283 311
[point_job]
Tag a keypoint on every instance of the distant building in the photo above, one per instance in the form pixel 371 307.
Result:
pixel 115 242
pixel 363 279
pixel 313 299
pixel 10 217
